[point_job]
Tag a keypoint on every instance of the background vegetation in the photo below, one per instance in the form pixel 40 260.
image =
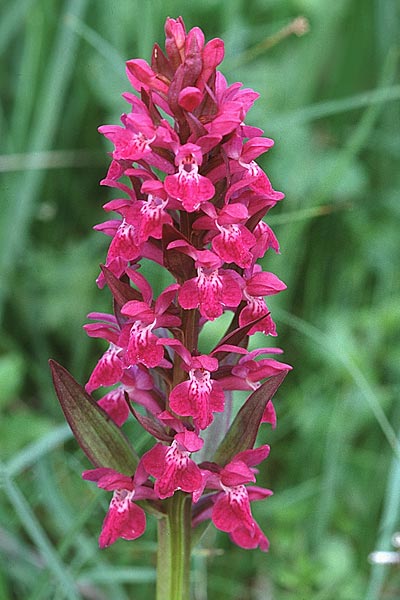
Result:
pixel 330 99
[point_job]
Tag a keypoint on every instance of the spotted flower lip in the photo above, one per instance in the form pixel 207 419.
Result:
pixel 186 228
pixel 172 466
pixel 214 288
pixel 109 369
pixel 231 511
pixel 199 396
pixel 124 518
pixel 187 185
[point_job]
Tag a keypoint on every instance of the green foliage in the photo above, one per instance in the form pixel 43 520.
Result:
pixel 99 437
pixel 330 99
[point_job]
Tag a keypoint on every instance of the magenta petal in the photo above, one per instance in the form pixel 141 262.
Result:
pixel 124 244
pixel 206 362
pixel 96 474
pixel 232 293
pixel 124 520
pixel 191 189
pixel 233 245
pixel 258 493
pixel 115 405
pixel 179 400
pixel 165 298
pixel 108 370
pixel 213 55
pixel 210 301
pixel 188 294
pixel 190 479
pixel 254 147
pixel 153 460
pixel 217 397
pixel 227 515
pixel 190 98
pixel 264 284
pixel 113 480
pixel 108 479
pixel 143 347
pixel 198 398
pixel 253 456
pixel 236 473
pixel 269 415
pixel 173 469
pixel 190 440
pixel 140 74
pixel 250 538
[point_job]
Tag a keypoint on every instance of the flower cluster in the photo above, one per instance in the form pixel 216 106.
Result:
pixel 192 200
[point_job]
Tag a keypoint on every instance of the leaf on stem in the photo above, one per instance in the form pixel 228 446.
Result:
pixel 243 431
pixel 101 440
pixel 235 338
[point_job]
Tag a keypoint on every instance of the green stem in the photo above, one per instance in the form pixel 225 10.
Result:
pixel 173 558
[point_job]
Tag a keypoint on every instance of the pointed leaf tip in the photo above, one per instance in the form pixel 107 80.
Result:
pixel 99 437
pixel 243 431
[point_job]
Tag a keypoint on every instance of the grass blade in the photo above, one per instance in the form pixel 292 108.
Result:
pixel 325 343
pixel 39 537
pixel 48 110
pixel 29 455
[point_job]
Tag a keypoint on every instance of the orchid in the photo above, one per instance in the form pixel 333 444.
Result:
pixel 192 199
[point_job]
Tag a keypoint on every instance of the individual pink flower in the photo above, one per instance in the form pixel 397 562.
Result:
pixel 199 396
pixel 172 466
pixel 140 343
pixel 108 370
pixel 248 372
pixel 232 512
pixel 124 518
pixel 133 141
pixel 151 214
pixel 257 286
pixel 247 174
pixel 124 244
pixel 257 309
pixel 213 289
pixel 233 241
pixel 233 103
pixel 187 185
pixel 233 244
pixel 143 346
pixel 141 220
pixel 265 239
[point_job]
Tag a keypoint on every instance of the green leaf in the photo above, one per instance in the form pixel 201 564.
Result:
pixel 243 431
pixel 101 440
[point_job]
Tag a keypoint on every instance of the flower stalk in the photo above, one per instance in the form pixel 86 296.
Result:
pixel 193 199
pixel 174 550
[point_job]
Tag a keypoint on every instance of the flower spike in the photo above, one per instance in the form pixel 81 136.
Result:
pixel 189 218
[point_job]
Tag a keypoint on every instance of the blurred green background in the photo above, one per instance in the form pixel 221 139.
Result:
pixel 330 99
